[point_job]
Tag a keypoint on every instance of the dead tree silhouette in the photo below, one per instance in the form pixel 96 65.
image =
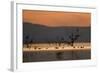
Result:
pixel 27 41
pixel 73 37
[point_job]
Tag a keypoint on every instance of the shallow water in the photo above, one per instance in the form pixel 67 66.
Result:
pixel 55 56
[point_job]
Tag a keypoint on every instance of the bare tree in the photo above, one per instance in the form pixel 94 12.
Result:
pixel 27 41
pixel 73 37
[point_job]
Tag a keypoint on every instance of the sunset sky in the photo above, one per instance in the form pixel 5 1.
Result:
pixel 53 19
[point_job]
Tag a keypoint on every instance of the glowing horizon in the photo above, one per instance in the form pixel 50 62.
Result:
pixel 53 18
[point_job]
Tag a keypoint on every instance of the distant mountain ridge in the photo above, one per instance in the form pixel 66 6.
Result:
pixel 43 34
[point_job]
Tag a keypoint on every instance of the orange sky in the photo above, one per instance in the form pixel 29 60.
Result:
pixel 50 18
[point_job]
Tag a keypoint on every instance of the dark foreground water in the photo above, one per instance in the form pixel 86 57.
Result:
pixel 55 56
